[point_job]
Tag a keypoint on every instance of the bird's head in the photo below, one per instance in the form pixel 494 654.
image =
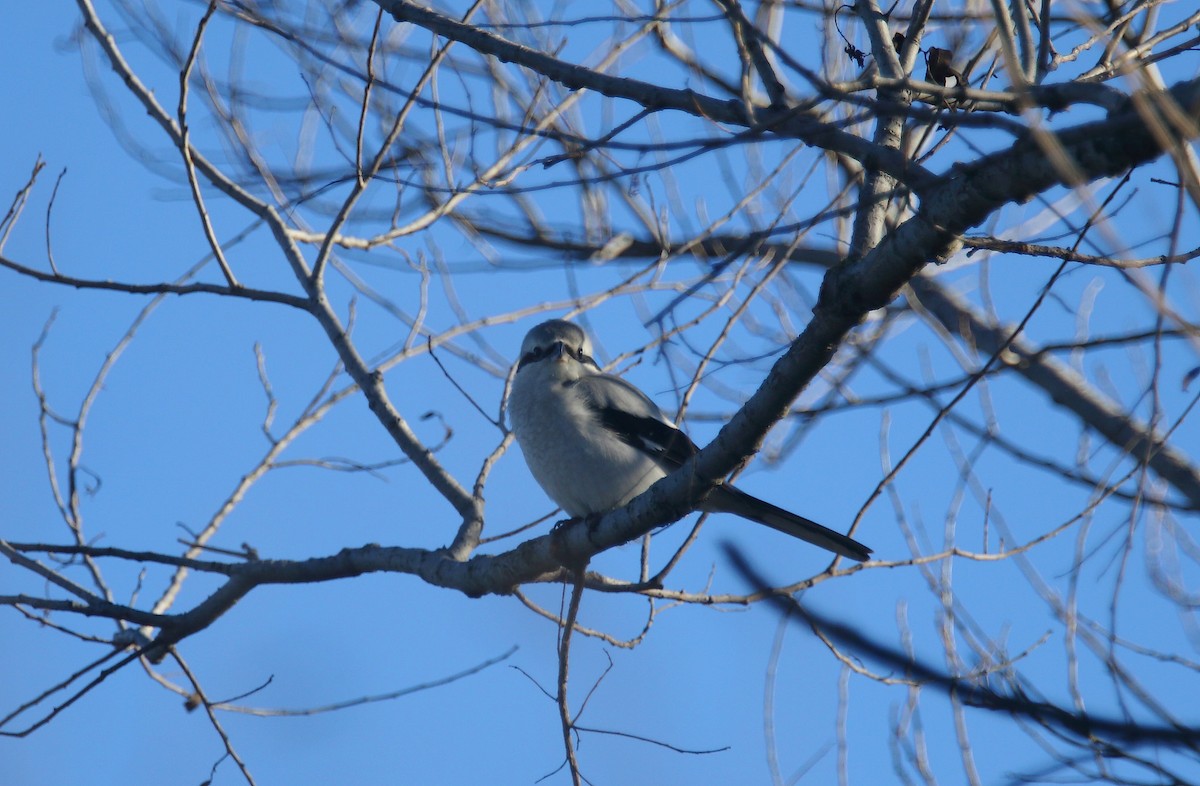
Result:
pixel 559 345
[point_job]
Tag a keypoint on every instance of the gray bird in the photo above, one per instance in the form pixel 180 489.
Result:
pixel 594 442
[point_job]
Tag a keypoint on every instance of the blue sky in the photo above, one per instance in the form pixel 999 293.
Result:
pixel 178 423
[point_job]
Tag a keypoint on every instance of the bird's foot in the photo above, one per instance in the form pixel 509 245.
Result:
pixel 558 534
pixel 559 525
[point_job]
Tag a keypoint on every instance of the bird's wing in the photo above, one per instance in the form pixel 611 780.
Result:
pixel 636 420
pixel 633 418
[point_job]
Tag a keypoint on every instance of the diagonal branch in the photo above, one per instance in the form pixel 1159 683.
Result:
pixel 963 199
pixel 799 123
pixel 1065 387
pixel 369 380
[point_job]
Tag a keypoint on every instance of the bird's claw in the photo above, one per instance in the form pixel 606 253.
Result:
pixel 558 532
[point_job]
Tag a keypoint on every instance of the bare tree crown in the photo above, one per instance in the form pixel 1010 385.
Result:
pixel 928 262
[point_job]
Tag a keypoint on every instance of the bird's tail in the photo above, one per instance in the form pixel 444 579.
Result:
pixel 726 499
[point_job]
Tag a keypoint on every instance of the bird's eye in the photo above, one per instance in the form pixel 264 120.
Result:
pixel 579 353
pixel 532 356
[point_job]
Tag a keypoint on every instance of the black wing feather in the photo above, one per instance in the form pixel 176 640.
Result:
pixel 636 420
pixel 628 414
pixel 666 444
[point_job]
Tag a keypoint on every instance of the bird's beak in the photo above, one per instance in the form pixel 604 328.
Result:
pixel 559 352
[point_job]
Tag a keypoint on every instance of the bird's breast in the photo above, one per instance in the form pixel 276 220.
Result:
pixel 579 463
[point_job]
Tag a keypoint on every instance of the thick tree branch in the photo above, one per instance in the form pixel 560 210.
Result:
pixel 1064 387
pixel 799 123
pixel 963 199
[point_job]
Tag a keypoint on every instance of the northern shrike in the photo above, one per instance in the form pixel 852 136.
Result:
pixel 594 442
